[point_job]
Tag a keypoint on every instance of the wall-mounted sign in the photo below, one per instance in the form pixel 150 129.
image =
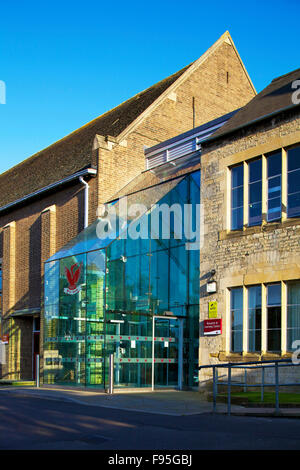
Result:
pixel 211 287
pixel 213 327
pixel 213 309
pixel 73 275
pixel 4 339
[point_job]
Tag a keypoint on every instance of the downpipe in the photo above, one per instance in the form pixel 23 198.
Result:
pixel 86 201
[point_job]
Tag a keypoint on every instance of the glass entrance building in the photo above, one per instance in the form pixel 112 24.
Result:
pixel 128 286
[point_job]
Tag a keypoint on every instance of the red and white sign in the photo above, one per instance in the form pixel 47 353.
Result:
pixel 213 326
pixel 73 276
pixel 4 339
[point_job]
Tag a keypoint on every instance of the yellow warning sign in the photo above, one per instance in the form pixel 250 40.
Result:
pixel 213 309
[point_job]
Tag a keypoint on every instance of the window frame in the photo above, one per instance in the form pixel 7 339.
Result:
pixel 231 197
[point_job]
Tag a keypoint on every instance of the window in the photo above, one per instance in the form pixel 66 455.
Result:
pixel 255 192
pixel 274 168
pixel 254 318
pixel 0 290
pixel 293 203
pixel 274 318
pixel 236 314
pixel 237 197
pixel 293 314
pixel 280 172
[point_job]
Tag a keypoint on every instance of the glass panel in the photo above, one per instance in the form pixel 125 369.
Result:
pixel 194 273
pixel 274 317
pixel 237 197
pixel 95 293
pixel 159 283
pixel 255 192
pixel 166 341
pixel 293 182
pixel 274 169
pixel 237 181
pixel 294 159
pixel 254 318
pixel 294 205
pixel 274 166
pixel 178 278
pixel 255 169
pixel 274 187
pixel 237 218
pixel 236 319
pixel 293 314
pixel 274 295
pixel 255 215
pixel 237 176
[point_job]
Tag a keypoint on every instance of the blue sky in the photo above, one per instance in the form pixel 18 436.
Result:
pixel 66 62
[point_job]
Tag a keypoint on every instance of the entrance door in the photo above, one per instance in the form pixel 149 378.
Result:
pixel 167 352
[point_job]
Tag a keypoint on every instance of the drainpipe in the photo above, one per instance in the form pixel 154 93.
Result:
pixel 86 201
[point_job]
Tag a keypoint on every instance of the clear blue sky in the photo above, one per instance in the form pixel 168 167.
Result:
pixel 66 62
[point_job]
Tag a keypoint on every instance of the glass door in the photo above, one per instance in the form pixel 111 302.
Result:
pixel 167 350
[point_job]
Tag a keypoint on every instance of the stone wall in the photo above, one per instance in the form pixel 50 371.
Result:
pixel 262 254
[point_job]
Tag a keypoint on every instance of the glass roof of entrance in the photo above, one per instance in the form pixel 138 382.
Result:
pixel 117 217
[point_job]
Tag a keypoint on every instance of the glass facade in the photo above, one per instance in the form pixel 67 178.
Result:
pixel 132 292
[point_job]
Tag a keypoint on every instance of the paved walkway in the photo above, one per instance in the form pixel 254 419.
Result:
pixel 176 403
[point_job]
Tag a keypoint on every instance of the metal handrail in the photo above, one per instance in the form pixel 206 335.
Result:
pixel 249 365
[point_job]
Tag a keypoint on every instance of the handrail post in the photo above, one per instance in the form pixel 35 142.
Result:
pixel 262 383
pixel 111 374
pixel 217 379
pixel 214 390
pixel 229 390
pixel 276 388
pixel 245 386
pixel 37 370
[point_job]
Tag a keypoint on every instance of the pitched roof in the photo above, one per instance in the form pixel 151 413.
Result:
pixel 73 153
pixel 273 99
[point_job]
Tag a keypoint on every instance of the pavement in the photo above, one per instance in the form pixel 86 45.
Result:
pixel 167 402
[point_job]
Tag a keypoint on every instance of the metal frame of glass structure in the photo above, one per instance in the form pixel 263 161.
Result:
pixel 137 299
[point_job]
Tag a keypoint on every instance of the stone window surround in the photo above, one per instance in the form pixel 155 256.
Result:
pixel 263 352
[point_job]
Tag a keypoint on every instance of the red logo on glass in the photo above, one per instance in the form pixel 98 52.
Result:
pixel 73 275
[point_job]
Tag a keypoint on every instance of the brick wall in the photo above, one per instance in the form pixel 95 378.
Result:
pixel 214 94
pixel 31 234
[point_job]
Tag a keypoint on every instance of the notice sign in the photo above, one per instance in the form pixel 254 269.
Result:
pixel 213 309
pixel 213 327
pixel 4 339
